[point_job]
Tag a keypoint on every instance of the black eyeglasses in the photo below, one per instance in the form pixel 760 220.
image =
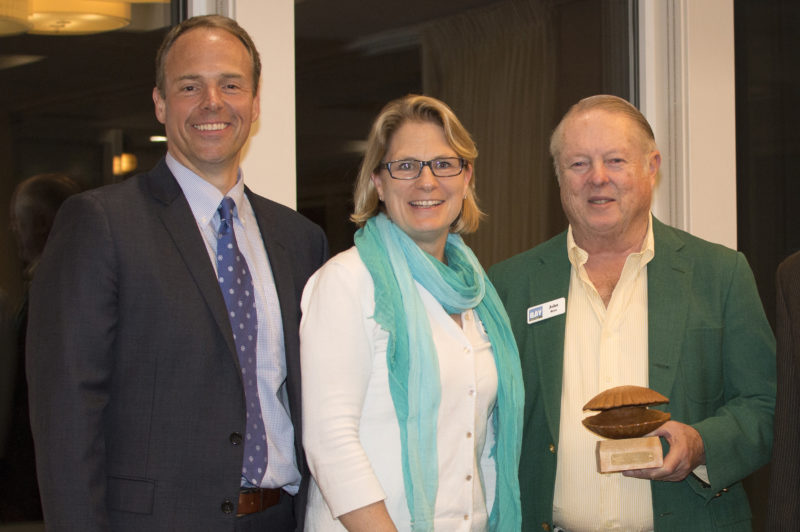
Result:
pixel 406 169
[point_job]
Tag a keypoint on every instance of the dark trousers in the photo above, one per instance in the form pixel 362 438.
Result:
pixel 279 518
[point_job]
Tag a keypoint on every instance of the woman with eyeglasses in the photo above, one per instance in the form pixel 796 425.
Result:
pixel 412 396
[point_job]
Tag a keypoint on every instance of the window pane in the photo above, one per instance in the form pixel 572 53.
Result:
pixel 509 70
pixel 70 105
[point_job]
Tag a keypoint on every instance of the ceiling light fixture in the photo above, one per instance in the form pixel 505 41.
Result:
pixel 78 17
pixel 14 17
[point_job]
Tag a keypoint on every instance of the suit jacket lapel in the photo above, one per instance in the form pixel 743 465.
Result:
pixel 549 280
pixel 282 274
pixel 182 227
pixel 669 277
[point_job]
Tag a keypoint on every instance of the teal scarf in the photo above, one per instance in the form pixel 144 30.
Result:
pixel 395 261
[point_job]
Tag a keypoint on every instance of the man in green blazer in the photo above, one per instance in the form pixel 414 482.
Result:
pixel 684 310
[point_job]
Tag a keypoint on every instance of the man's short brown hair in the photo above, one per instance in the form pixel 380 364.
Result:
pixel 211 22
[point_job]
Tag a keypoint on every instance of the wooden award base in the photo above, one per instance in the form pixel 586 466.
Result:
pixel 631 453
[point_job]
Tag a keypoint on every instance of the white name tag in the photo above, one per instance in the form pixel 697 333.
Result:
pixel 547 310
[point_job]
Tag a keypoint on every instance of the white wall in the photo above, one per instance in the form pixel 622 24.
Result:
pixel 269 161
pixel 687 93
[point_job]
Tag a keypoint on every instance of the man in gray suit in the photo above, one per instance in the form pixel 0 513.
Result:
pixel 145 412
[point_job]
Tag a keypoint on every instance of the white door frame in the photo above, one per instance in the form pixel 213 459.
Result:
pixel 687 93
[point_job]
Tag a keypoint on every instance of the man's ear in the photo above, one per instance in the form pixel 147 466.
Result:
pixel 160 106
pixel 256 109
pixel 653 164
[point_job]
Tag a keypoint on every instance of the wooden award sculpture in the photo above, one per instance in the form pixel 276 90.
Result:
pixel 625 418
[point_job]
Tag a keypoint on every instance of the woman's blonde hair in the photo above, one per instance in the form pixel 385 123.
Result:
pixel 414 108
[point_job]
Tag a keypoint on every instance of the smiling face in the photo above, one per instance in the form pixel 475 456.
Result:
pixel 425 207
pixel 607 173
pixel 209 103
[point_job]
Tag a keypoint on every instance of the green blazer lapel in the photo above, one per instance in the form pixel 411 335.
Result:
pixel 549 281
pixel 669 277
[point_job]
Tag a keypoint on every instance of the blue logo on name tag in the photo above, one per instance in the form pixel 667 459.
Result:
pixel 535 313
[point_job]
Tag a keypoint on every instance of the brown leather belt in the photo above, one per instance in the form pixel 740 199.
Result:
pixel 252 500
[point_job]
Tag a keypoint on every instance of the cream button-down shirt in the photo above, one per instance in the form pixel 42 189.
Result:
pixel 603 347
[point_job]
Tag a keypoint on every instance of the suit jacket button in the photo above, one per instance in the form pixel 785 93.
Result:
pixel 227 506
pixel 546 527
pixel 552 448
pixel 235 438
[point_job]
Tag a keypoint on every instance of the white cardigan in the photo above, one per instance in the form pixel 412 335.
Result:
pixel 350 430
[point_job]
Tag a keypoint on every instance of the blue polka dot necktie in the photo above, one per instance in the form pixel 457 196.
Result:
pixel 237 289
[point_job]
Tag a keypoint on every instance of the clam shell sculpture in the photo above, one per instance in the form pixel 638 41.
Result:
pixel 624 412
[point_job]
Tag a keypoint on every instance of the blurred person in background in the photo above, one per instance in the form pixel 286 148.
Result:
pixel 34 204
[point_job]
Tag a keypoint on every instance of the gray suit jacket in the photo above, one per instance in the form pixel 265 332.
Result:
pixel 784 482
pixel 135 388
